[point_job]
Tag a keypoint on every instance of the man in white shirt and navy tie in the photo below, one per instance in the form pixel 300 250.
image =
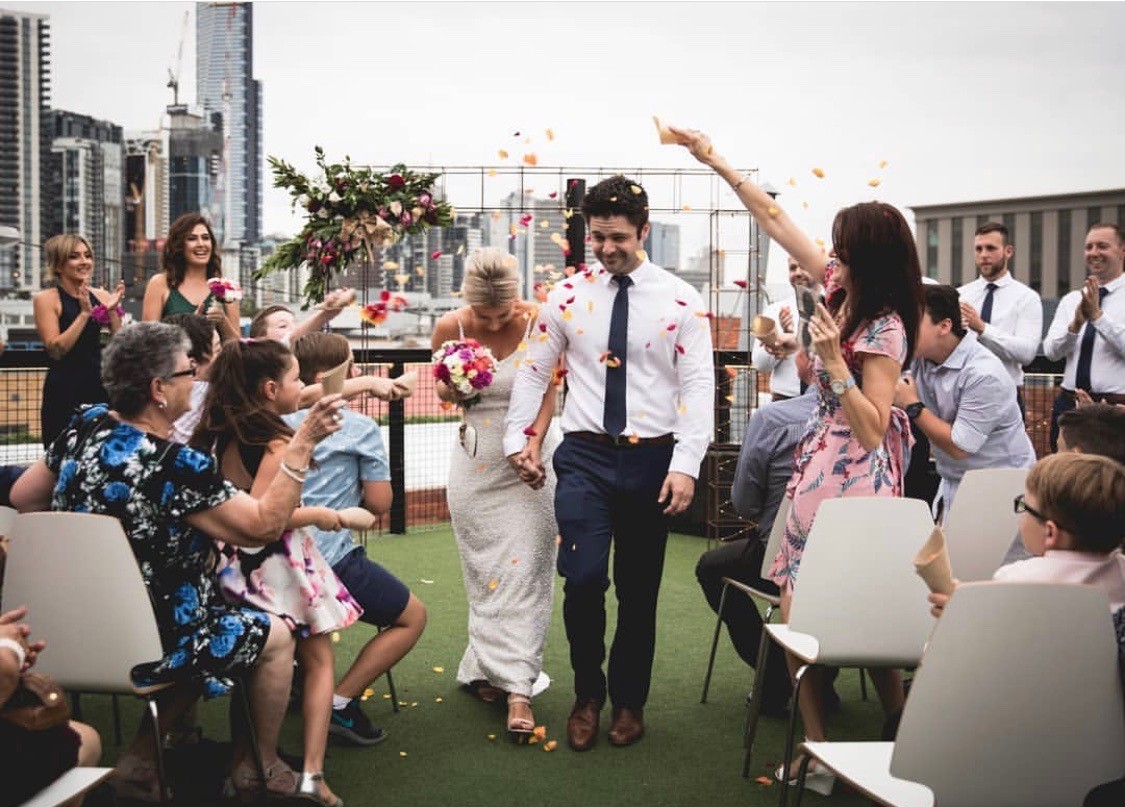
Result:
pixel 637 422
pixel 778 359
pixel 1006 315
pixel 1089 327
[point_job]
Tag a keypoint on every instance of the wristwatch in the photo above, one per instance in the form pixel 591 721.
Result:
pixel 841 385
pixel 914 410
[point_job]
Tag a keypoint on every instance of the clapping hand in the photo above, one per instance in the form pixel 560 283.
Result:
pixel 785 317
pixel 84 305
pixel 971 318
pixel 1091 303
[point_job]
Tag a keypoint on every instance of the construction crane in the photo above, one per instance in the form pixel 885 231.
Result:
pixel 174 75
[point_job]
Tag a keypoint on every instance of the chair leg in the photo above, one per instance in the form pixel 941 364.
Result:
pixel 243 699
pixel 394 695
pixel 801 775
pixel 863 683
pixel 750 730
pixel 791 736
pixel 116 720
pixel 714 643
pixel 161 774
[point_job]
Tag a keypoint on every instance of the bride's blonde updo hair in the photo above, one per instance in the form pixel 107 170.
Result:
pixel 491 278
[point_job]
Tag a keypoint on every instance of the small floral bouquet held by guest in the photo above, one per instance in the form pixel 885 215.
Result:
pixel 225 291
pixel 466 367
pixel 100 314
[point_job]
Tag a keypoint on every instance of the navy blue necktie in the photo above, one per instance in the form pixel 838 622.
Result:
pixel 613 418
pixel 1086 352
pixel 986 309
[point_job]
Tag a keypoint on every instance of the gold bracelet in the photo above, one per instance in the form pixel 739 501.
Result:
pixel 292 473
pixel 738 184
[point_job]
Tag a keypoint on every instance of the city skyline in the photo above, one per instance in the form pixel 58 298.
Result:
pixel 964 101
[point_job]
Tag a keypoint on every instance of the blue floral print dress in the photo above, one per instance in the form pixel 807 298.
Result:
pixel 830 461
pixel 151 486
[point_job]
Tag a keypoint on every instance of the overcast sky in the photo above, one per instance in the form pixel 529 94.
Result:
pixel 965 101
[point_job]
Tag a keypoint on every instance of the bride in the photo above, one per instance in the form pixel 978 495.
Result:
pixel 505 529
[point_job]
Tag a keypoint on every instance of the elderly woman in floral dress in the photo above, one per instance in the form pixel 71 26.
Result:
pixel 172 501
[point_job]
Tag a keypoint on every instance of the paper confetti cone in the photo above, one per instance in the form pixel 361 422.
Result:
pixel 666 136
pixel 333 380
pixel 932 563
pixel 765 330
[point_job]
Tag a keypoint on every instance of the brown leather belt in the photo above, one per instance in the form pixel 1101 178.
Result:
pixel 624 440
pixel 1107 397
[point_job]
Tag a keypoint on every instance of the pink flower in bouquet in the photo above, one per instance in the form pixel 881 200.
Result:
pixel 466 366
pixel 100 314
pixel 225 291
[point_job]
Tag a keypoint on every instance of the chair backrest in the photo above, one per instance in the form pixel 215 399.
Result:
pixel 857 591
pixel 1018 700
pixel 777 532
pixel 7 520
pixel 982 524
pixel 85 597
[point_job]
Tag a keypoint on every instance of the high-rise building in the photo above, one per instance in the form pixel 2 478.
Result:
pixel 82 188
pixel 25 141
pixel 225 84
pixel 663 245
pixel 538 226
pixel 146 208
pixel 195 153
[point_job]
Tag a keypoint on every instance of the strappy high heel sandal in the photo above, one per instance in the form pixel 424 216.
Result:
pixel 281 782
pixel 135 779
pixel 309 789
pixel 520 729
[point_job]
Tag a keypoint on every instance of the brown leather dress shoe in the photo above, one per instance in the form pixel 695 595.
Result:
pixel 582 725
pixel 628 726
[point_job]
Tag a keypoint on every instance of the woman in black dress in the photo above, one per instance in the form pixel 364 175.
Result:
pixel 69 318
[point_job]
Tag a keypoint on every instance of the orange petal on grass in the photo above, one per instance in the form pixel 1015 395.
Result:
pixel 540 733
pixel 439 670
pixel 818 173
pixel 550 745
pixel 764 780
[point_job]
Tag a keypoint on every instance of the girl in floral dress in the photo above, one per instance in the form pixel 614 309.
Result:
pixel 253 383
pixel 857 443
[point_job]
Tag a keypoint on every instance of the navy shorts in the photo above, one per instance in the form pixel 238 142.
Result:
pixel 382 596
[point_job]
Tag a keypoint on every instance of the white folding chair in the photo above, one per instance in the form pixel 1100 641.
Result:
pixel 982 524
pixel 73 783
pixel 104 624
pixel 1011 707
pixel 773 544
pixel 858 601
pixel 7 520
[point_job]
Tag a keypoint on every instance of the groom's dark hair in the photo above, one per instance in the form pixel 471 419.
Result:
pixel 617 196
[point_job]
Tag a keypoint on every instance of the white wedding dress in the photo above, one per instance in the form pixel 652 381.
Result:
pixel 506 536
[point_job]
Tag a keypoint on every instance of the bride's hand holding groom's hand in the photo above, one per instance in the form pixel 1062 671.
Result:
pixel 528 465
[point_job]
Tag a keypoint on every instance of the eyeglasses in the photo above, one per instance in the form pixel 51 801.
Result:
pixel 1019 505
pixel 183 373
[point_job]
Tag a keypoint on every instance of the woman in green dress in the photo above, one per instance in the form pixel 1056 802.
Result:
pixel 190 260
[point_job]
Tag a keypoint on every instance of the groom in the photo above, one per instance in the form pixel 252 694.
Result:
pixel 637 422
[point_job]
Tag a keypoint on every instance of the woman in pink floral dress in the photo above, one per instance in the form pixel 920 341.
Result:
pixel 857 443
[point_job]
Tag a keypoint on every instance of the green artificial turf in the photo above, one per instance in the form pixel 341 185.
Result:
pixel 440 753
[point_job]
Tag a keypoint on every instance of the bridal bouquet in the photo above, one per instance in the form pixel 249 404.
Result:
pixel 467 366
pixel 225 291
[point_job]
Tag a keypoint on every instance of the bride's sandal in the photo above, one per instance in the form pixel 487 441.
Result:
pixel 520 729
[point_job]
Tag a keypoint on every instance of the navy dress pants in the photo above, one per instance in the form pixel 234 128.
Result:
pixel 605 496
